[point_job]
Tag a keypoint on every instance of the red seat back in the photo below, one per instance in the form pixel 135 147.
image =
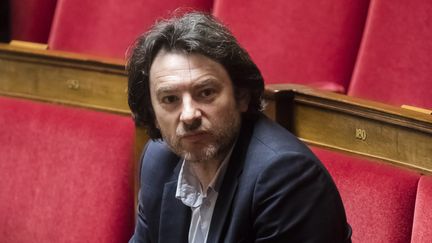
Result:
pixel 108 28
pixel 422 228
pixel 308 42
pixel 65 174
pixel 379 199
pixel 394 64
pixel 31 19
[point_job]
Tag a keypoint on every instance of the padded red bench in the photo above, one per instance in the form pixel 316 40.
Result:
pixel 108 28
pixel 31 19
pixel 383 203
pixel 422 227
pixel 307 42
pixel 66 174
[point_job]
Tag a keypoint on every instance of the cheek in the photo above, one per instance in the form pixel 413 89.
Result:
pixel 223 112
pixel 166 121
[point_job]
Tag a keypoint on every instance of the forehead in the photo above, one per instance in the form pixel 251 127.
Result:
pixel 176 66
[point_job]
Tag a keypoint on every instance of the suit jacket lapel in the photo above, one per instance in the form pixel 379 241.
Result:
pixel 227 192
pixel 222 207
pixel 175 217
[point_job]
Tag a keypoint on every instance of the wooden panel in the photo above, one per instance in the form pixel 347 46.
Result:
pixel 362 135
pixel 63 78
pixel 367 128
pixel 278 106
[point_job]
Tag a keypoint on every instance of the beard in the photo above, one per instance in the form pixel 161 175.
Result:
pixel 221 136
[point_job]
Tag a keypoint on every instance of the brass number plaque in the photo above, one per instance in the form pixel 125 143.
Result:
pixel 73 84
pixel 360 134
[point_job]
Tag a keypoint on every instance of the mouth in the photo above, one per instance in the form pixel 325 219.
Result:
pixel 194 136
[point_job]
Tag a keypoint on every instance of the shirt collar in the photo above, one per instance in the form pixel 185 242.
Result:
pixel 189 189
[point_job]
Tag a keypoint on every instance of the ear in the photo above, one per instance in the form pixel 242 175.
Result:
pixel 243 99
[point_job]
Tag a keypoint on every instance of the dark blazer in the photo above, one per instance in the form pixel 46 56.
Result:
pixel 274 190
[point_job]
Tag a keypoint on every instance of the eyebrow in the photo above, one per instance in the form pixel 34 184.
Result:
pixel 165 89
pixel 206 82
pixel 195 85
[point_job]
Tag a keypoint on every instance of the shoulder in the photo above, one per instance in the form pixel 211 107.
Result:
pixel 275 137
pixel 157 150
pixel 274 155
pixel 270 141
pixel 289 187
pixel 158 162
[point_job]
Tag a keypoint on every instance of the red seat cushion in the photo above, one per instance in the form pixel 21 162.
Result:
pixel 108 28
pixel 394 63
pixel 379 199
pixel 308 42
pixel 422 228
pixel 65 174
pixel 31 19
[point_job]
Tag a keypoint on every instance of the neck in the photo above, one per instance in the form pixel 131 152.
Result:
pixel 205 171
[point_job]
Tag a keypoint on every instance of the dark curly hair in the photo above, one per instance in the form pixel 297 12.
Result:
pixel 193 32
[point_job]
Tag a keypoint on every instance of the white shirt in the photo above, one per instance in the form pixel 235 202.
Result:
pixel 201 202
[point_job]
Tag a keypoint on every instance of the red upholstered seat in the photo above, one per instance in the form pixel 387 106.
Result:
pixel 422 228
pixel 108 28
pixel 31 19
pixel 394 64
pixel 65 174
pixel 308 42
pixel 379 199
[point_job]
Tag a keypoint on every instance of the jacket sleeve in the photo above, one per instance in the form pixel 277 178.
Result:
pixel 141 234
pixel 295 200
pixel 157 166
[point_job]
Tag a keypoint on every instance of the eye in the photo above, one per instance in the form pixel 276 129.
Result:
pixel 206 93
pixel 169 99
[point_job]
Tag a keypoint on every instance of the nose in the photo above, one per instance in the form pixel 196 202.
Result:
pixel 190 112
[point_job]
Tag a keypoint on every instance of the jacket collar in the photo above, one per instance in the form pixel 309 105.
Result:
pixel 175 216
pixel 221 217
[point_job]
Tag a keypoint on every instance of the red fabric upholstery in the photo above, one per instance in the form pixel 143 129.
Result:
pixel 308 42
pixel 379 199
pixel 394 64
pixel 31 19
pixel 422 228
pixel 108 28
pixel 65 174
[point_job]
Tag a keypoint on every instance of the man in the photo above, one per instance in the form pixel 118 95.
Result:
pixel 217 169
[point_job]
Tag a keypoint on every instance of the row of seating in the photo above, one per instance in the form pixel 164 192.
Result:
pixel 327 45
pixel 374 49
pixel 67 176
pixel 351 174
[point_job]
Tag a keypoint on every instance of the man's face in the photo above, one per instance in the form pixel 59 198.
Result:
pixel 194 104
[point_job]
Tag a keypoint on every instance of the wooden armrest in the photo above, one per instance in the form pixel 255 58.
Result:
pixel 417 109
pixel 26 44
pixel 369 128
